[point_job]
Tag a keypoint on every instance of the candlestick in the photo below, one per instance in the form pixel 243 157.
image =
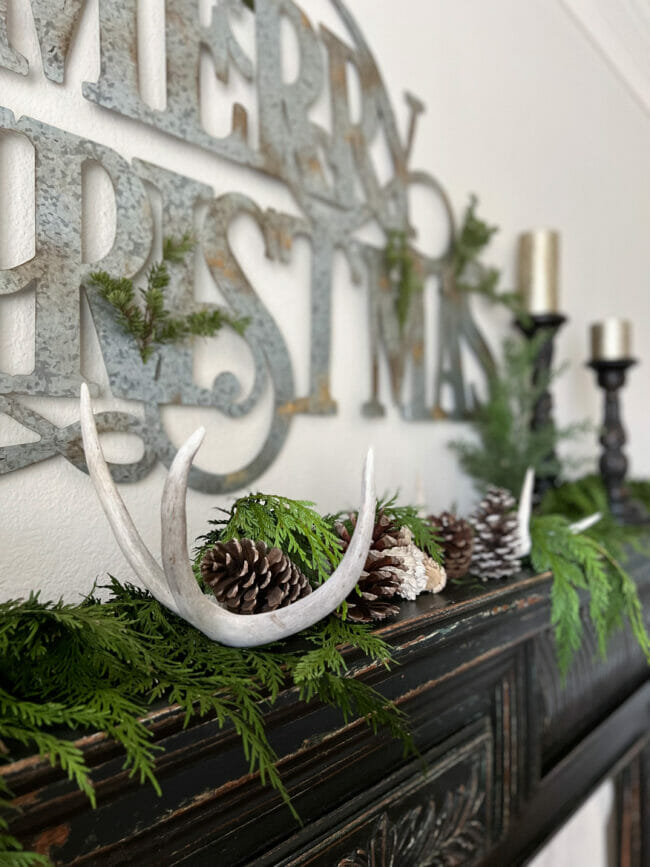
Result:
pixel 611 340
pixel 539 261
pixel 548 324
pixel 611 374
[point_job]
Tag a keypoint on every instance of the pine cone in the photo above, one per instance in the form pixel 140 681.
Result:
pixel 496 536
pixel 248 578
pixel 412 574
pixel 379 580
pixel 457 542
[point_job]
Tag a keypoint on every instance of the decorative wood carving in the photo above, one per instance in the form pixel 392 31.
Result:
pixel 427 835
pixel 438 818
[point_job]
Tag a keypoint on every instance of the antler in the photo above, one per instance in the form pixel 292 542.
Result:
pixel 174 585
pixel 525 510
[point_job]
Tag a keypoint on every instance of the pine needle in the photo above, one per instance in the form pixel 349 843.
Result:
pixel 148 321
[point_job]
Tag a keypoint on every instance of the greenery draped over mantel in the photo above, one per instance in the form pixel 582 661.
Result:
pixel 99 665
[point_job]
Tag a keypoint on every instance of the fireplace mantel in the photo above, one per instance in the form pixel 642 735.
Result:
pixel 508 753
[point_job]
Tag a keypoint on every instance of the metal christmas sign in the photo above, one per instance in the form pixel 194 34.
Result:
pixel 330 173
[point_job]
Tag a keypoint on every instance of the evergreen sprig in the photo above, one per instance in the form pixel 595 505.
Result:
pixel 294 526
pixel 99 665
pixel 470 274
pixel 507 444
pixel 424 534
pixel 149 321
pixel 582 497
pixel 402 270
pixel 581 562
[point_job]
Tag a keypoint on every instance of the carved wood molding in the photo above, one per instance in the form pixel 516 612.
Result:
pixel 621 31
pixel 427 834
pixel 440 814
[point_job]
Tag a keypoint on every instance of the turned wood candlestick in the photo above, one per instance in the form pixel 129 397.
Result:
pixel 548 324
pixel 611 376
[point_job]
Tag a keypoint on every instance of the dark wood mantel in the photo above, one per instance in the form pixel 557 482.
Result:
pixel 509 754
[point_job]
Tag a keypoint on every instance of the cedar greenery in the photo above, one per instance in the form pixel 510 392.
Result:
pixel 424 534
pixel 506 444
pixel 291 525
pixel 470 274
pixel 152 325
pixel 585 496
pixel 582 562
pixel 401 268
pixel 100 665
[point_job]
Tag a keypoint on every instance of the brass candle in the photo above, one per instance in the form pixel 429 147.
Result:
pixel 539 263
pixel 611 340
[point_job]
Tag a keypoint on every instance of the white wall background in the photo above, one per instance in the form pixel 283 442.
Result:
pixel 522 109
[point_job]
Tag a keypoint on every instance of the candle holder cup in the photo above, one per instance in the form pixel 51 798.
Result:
pixel 611 375
pixel 533 325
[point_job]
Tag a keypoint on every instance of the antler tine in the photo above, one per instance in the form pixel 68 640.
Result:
pixel 585 523
pixel 173 517
pixel 524 512
pixel 124 530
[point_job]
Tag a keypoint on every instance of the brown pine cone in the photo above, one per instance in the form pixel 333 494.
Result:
pixel 248 577
pixel 457 542
pixel 380 578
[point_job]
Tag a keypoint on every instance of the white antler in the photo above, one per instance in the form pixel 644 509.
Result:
pixel 176 588
pixel 585 523
pixel 524 512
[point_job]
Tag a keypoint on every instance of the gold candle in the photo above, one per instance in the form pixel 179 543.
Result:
pixel 539 262
pixel 611 340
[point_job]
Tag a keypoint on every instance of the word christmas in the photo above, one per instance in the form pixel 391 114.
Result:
pixel 331 175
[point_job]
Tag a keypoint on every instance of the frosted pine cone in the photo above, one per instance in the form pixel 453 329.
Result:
pixel 496 536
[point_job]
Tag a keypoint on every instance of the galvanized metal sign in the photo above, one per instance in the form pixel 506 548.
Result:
pixel 330 173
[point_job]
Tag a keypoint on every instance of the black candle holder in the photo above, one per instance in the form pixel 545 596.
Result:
pixel 613 463
pixel 533 325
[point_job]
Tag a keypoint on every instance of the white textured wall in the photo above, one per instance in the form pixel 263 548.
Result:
pixel 521 109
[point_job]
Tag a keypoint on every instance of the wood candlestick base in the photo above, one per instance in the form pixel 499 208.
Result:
pixel 549 324
pixel 613 462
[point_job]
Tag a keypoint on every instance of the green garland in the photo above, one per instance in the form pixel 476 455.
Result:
pixel 100 665
pixel 583 562
pixel 593 561
pixel 506 445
